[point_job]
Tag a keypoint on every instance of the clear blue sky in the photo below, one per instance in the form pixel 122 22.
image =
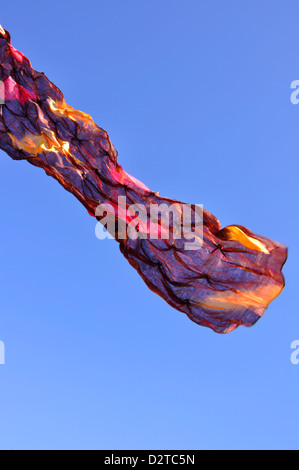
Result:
pixel 196 98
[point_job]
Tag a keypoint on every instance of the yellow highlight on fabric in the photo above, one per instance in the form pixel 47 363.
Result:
pixel 62 109
pixel 251 299
pixel 236 234
pixel 36 144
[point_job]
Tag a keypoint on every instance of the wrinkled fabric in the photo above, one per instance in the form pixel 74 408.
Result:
pixel 228 282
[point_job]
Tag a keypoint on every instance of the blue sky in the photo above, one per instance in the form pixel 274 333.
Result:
pixel 196 98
